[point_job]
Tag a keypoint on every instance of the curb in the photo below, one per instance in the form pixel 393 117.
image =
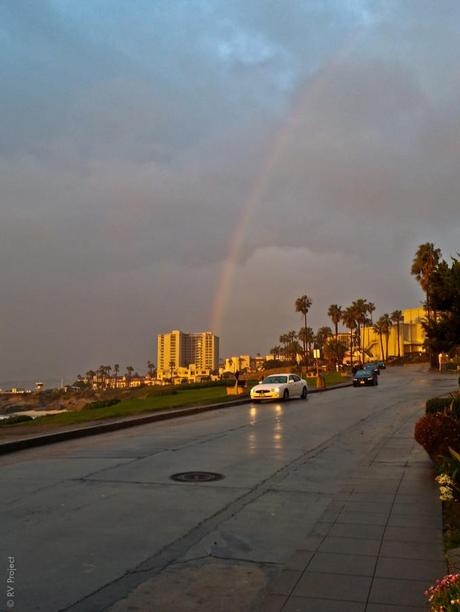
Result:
pixel 93 430
pixel 331 388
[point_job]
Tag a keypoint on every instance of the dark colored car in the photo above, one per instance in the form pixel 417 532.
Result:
pixel 372 366
pixel 365 377
pixel 381 365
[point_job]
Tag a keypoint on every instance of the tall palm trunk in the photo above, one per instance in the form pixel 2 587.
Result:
pixel 368 336
pixel 359 339
pixel 305 358
pixel 351 347
pixel 381 346
pixel 336 344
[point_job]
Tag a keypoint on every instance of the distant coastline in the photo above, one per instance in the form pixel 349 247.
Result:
pixel 48 383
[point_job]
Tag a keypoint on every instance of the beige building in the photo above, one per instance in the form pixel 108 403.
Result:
pixel 171 350
pixel 177 349
pixel 411 337
pixel 238 363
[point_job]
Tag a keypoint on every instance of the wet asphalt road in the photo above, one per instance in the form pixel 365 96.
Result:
pixel 90 520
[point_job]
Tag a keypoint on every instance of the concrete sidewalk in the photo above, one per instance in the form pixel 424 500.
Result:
pixel 378 545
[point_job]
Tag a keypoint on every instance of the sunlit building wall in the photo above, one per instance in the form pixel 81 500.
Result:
pixel 411 337
pixel 177 349
pixel 172 350
pixel 238 363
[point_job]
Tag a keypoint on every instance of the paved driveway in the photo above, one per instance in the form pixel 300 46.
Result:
pixel 98 521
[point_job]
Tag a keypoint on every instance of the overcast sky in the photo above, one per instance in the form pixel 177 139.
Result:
pixel 133 134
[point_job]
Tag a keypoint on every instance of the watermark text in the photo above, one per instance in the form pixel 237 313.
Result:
pixel 10 582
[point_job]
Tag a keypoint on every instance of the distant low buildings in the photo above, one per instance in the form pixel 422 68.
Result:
pixel 238 363
pixel 16 391
pixel 244 363
pixel 116 382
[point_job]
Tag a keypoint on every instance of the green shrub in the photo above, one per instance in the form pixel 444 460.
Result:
pixel 102 403
pixel 448 405
pixel 436 433
pixel 16 418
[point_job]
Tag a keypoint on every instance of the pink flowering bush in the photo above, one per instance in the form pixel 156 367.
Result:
pixel 444 595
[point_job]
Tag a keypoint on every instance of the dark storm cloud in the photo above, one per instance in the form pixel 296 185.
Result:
pixel 132 134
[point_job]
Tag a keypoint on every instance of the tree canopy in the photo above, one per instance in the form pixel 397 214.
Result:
pixel 443 332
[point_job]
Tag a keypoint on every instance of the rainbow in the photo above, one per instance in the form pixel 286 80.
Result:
pixel 279 145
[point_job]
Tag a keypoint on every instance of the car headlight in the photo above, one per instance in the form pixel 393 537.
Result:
pixel 276 389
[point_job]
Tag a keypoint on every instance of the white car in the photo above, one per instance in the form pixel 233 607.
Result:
pixel 280 386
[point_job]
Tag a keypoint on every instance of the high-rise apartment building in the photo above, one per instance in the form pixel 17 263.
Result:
pixel 177 349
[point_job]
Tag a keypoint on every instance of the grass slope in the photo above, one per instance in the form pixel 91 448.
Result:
pixel 131 407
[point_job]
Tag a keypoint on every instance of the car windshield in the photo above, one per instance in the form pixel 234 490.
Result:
pixel 363 373
pixel 275 380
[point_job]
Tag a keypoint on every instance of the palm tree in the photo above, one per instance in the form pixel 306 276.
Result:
pixel 116 369
pixel 292 344
pixel 424 264
pixel 386 324
pixel 360 308
pixel 367 324
pixel 275 351
pixel 322 336
pixel 129 374
pixel 90 374
pixel 370 310
pixel 303 305
pixel 307 336
pixel 370 322
pixel 378 328
pixel 101 376
pixel 349 320
pixel 288 340
pixel 335 314
pixel 397 317
pixel 284 339
pixel 150 368
pixel 335 351
pixel 294 349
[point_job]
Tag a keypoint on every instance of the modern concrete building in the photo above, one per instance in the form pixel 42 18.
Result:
pixel 177 349
pixel 411 337
pixel 171 352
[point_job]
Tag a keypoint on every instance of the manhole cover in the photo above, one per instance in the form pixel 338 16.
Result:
pixel 196 477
